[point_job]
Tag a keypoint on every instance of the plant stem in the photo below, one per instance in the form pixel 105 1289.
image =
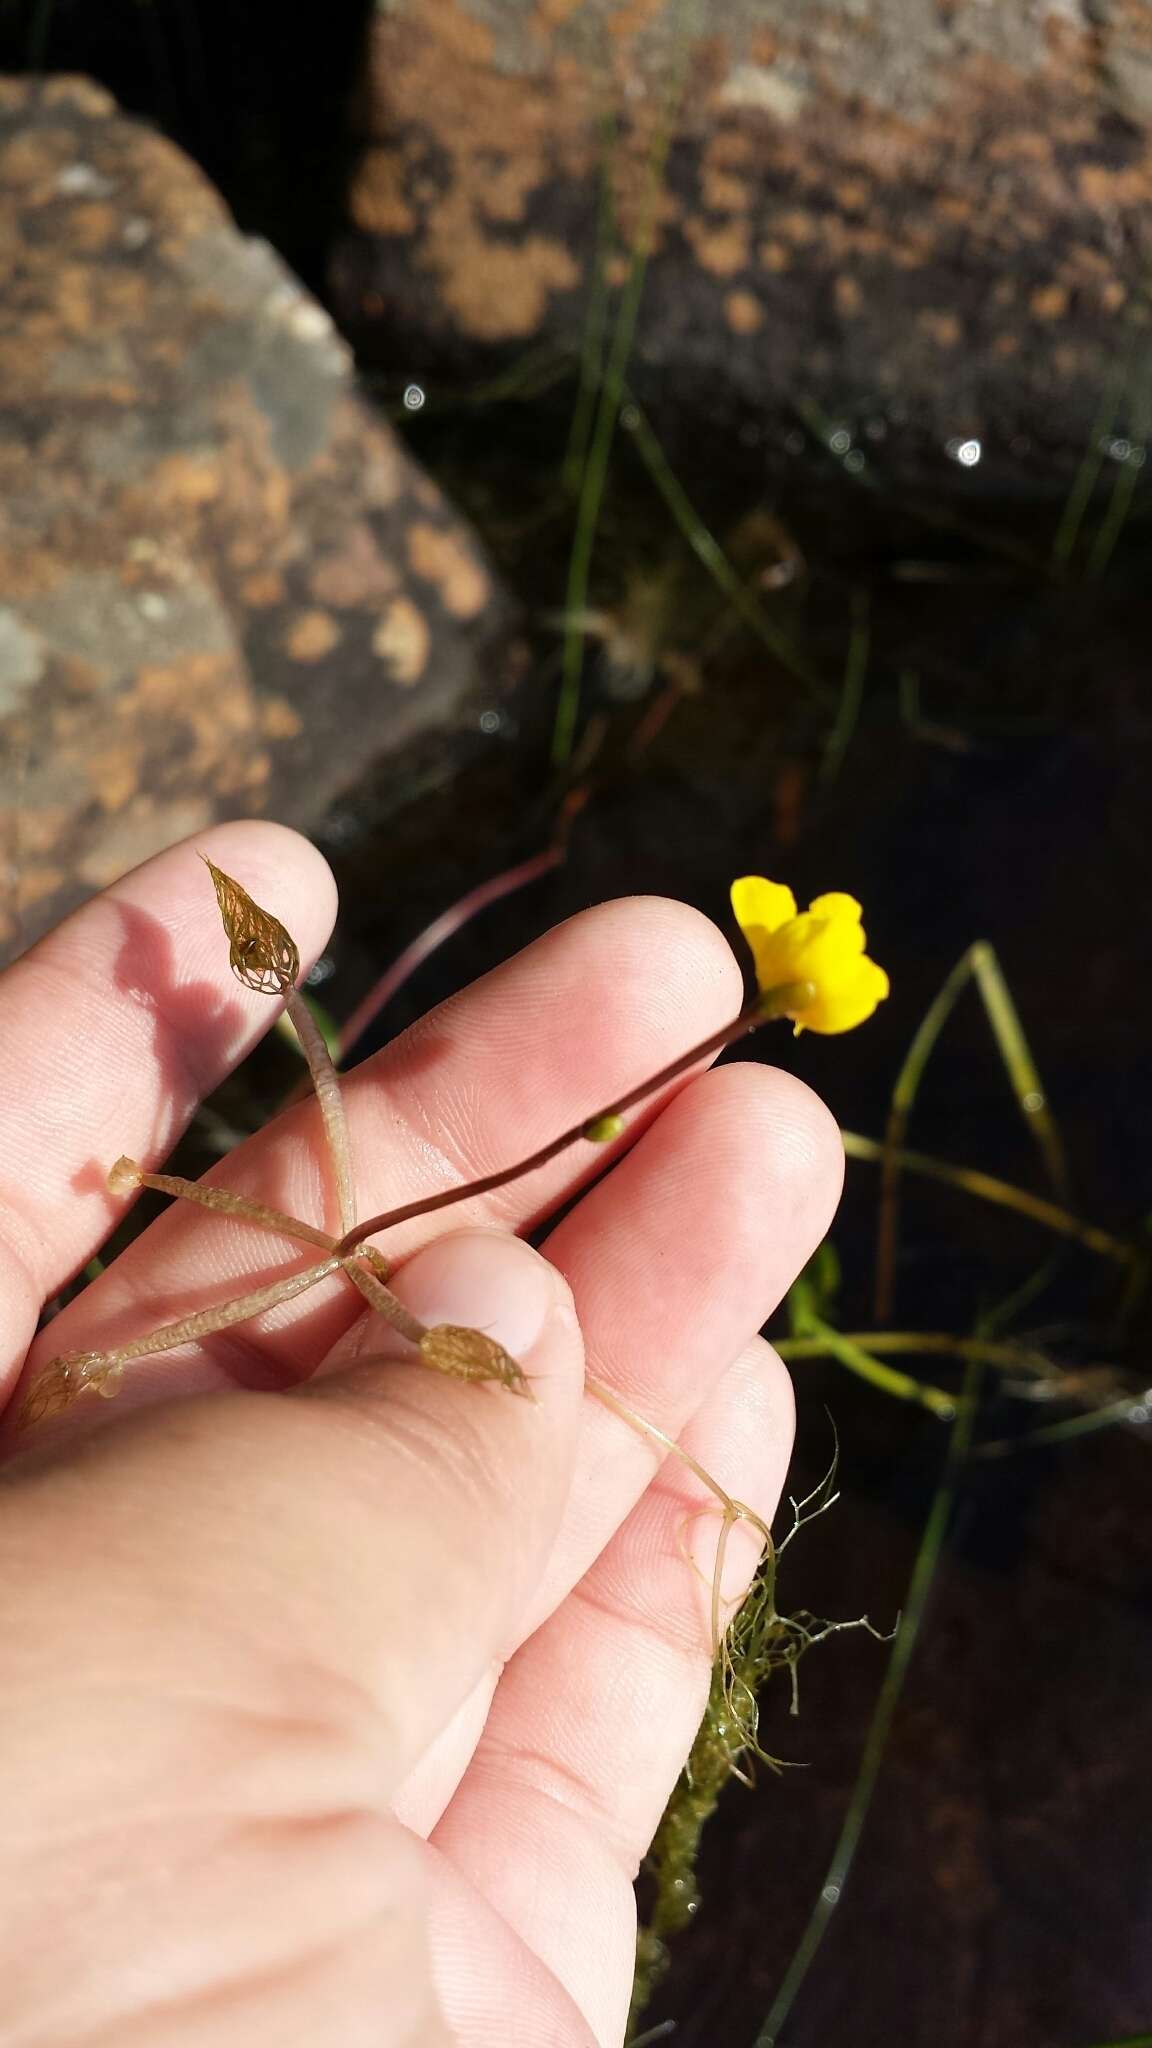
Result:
pixel 435 935
pixel 326 1082
pixel 762 1008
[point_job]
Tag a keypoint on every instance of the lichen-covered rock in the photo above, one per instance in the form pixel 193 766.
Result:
pixel 902 221
pixel 223 585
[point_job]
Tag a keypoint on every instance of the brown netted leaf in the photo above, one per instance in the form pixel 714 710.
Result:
pixel 470 1355
pixel 260 952
pixel 63 1379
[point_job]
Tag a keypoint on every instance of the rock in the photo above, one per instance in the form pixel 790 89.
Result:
pixel 913 229
pixel 224 587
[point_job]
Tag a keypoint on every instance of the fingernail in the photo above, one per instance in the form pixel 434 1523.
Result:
pixel 485 1280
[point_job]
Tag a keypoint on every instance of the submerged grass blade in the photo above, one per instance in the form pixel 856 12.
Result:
pixel 595 469
pixel 852 688
pixel 709 551
pixel 979 964
pixel 876 1741
pixel 821 1340
pixel 987 1188
pixel 596 316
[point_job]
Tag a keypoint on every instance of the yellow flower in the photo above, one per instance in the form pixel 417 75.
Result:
pixel 823 947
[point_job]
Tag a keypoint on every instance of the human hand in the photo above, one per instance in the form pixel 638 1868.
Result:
pixel 345 1712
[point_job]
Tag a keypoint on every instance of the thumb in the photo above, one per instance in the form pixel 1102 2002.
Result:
pixel 370 1538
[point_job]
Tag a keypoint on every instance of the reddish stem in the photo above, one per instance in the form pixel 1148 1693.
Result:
pixel 436 934
pixel 752 1015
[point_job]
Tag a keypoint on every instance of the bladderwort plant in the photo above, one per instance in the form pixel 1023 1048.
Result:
pixel 811 968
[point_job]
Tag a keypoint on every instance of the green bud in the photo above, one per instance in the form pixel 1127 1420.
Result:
pixel 785 1001
pixel 603 1128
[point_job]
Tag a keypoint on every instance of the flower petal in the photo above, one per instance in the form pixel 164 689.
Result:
pixel 761 905
pixel 841 1005
pixel 835 904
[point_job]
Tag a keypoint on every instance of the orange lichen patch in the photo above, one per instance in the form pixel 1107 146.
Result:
pixel 91 227
pixel 379 202
pixel 279 720
pixel 552 14
pixel 796 226
pixel 861 241
pixel 44 827
pixel 731 148
pixel 617 270
pixel 70 90
pixel 721 192
pixel 138 832
pixel 440 557
pixel 25 571
pixel 179 481
pixel 264 588
pixel 848 296
pixel 500 136
pixel 1020 145
pixel 35 883
pixel 403 640
pixel 33 160
pixel 498 290
pixel 743 312
pixel 1113 189
pixel 1113 295
pixel 73 297
pixel 774 256
pixel 942 328
pixel 852 194
pixel 311 636
pixel 114 776
pixel 504 188
pixel 628 21
pixel 355 573
pixel 1006 345
pixel 721 250
pixel 1049 301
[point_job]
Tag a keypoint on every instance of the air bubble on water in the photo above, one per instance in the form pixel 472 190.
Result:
pixel 966 451
pixel 414 397
pixel 839 440
pixel 854 461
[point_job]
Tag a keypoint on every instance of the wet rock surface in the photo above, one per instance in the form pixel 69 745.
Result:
pixel 900 222
pixel 224 587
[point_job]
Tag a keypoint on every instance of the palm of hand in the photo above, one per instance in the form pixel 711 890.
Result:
pixel 386 1676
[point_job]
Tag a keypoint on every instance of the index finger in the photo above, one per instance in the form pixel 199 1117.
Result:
pixel 112 1028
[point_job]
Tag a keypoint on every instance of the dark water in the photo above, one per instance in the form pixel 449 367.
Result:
pixel 1001 1895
